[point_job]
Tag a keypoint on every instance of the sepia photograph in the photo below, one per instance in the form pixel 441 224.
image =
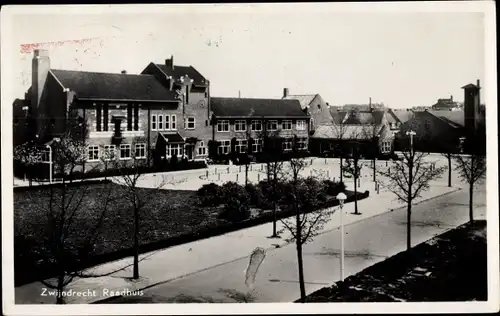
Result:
pixel 191 159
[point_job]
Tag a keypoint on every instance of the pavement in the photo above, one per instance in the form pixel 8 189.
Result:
pixel 366 242
pixel 195 267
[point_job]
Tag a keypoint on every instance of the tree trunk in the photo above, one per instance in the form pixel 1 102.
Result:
pixel 341 171
pixel 60 289
pixel 136 243
pixel 298 243
pixel 356 196
pixel 246 174
pixel 449 170
pixel 408 227
pixel 275 234
pixel 471 202
pixel 301 272
pixel 471 190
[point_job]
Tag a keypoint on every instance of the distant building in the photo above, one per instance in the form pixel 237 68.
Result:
pixel 446 105
pixel 316 107
pixel 446 130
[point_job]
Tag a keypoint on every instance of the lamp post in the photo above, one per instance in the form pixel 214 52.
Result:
pixel 50 163
pixel 411 133
pixel 341 198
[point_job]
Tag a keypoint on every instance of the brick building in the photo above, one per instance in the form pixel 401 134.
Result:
pixel 162 112
pixel 237 120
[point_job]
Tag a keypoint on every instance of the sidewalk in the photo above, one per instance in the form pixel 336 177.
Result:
pixel 175 262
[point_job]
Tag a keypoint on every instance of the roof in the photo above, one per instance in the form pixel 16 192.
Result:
pixel 470 85
pixel 181 71
pixel 338 116
pixel 454 118
pixel 349 131
pixel 248 107
pixel 398 115
pixel 304 99
pixel 363 117
pixel 109 86
pixel 172 137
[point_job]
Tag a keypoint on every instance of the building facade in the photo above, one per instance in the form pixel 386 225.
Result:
pixel 153 116
pixel 241 122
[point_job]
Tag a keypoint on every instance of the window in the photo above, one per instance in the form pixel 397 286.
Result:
pixel 302 143
pixel 106 117
pixel 125 151
pixel 301 125
pixel 109 152
pixel 190 122
pixel 287 144
pixel 257 145
pixel 202 150
pixel 386 147
pixel 286 125
pixel 153 122
pixel 256 125
pixel 311 124
pixel 240 126
pixel 129 117
pixel 136 117
pixel 167 122
pixel 241 146
pixel 272 125
pixel 224 146
pixel 140 151
pixel 174 149
pixel 173 122
pixel 160 122
pixel 45 156
pixel 223 126
pixel 93 153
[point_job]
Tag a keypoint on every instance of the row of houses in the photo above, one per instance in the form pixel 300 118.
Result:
pixel 167 110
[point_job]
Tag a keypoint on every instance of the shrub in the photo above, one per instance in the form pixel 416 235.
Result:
pixel 236 202
pixel 257 197
pixel 334 188
pixel 210 194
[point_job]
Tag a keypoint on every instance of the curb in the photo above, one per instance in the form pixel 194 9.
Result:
pixel 103 301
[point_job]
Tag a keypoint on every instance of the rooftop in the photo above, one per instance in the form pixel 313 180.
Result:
pixel 249 107
pixel 111 86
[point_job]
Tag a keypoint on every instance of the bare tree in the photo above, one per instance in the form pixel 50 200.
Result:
pixel 352 167
pixel 303 196
pixel 472 169
pixel 65 252
pixel 340 133
pixel 371 132
pixel 272 153
pixel 108 159
pixel 408 178
pixel 131 171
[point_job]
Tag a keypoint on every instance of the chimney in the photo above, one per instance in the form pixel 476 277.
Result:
pixel 170 62
pixel 40 68
pixel 124 71
pixel 370 104
pixel 286 92
pixel 239 94
pixel 451 98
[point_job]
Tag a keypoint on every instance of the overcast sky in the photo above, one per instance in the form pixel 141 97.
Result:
pixel 401 59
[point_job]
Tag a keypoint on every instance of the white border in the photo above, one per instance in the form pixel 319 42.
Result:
pixel 486 7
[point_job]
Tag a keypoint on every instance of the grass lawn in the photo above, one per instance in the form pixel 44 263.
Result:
pixel 450 267
pixel 167 214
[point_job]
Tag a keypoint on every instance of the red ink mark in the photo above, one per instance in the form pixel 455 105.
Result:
pixel 28 48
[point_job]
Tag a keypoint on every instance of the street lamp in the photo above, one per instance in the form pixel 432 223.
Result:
pixel 411 133
pixel 341 197
pixel 50 163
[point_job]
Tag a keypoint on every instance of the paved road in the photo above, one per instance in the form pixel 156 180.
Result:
pixel 366 242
